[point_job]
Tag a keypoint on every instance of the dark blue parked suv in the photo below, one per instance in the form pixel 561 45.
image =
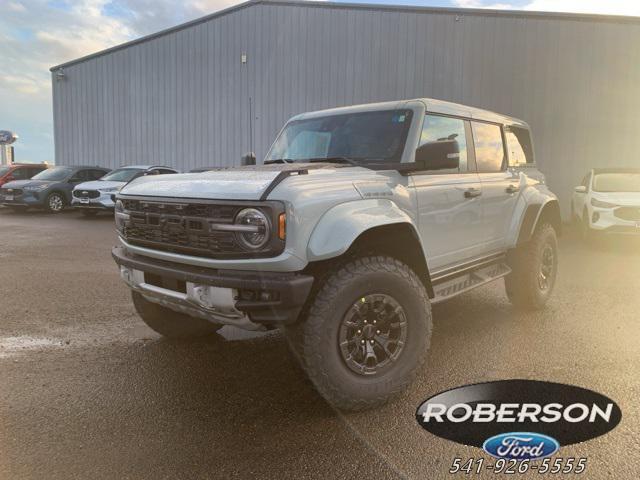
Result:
pixel 50 189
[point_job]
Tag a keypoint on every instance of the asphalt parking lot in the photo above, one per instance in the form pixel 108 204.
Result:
pixel 88 391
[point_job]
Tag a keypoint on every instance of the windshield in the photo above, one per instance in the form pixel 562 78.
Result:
pixel 122 175
pixel 4 171
pixel 54 174
pixel 617 182
pixel 365 137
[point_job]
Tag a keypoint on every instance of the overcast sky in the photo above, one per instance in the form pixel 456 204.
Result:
pixel 37 34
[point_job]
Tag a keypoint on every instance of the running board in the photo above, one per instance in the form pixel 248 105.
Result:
pixel 452 285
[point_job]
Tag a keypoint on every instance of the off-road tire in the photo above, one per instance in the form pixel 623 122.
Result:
pixel 55 202
pixel 315 339
pixel 171 324
pixel 522 284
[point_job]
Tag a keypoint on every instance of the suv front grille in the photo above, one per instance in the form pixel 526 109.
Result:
pixel 11 191
pixel 631 214
pixel 176 227
pixel 218 213
pixel 179 240
pixel 86 193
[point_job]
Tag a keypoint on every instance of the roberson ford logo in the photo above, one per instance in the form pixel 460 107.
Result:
pixel 521 446
pixel 519 419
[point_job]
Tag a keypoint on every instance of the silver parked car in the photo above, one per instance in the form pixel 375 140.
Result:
pixel 93 197
pixel 361 218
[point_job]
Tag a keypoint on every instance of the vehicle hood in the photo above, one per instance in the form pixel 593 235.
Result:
pixel 627 199
pixel 239 183
pixel 99 185
pixel 25 183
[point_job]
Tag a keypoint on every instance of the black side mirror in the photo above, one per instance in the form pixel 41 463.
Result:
pixel 248 159
pixel 438 155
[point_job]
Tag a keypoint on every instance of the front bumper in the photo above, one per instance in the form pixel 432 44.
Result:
pixel 103 202
pixel 27 199
pixel 246 299
pixel 605 221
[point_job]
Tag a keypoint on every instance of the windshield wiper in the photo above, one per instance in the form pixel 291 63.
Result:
pixel 278 160
pixel 348 160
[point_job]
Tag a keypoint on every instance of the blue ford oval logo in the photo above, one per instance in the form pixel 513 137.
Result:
pixel 521 446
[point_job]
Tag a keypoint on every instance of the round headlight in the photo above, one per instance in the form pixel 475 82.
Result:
pixel 256 235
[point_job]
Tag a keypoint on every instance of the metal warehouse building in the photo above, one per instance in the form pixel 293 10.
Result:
pixel 206 92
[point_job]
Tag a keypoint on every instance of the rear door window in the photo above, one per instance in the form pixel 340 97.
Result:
pixel 80 176
pixel 487 139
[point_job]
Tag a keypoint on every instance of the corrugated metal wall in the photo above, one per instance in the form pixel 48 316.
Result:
pixel 183 98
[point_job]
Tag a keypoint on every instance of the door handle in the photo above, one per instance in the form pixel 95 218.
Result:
pixel 472 193
pixel 512 189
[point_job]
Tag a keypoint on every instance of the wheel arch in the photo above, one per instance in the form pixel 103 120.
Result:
pixel 400 241
pixel 375 226
pixel 60 191
pixel 535 215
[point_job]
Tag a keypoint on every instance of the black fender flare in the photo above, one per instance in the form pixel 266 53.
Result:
pixel 537 213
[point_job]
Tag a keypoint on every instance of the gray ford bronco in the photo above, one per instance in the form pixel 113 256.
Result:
pixel 360 219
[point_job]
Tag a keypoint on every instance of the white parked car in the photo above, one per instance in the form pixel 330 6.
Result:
pixel 608 201
pixel 92 197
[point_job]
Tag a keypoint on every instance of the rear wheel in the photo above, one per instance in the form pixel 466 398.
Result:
pixel 366 334
pixel 534 268
pixel 55 202
pixel 171 324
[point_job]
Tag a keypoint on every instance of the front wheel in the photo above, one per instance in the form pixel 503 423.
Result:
pixel 534 268
pixel 55 202
pixel 366 334
pixel 171 324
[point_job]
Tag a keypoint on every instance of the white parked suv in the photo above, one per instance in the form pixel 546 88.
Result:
pixel 359 220
pixel 98 195
pixel 608 202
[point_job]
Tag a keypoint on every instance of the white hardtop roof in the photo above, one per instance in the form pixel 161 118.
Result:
pixel 432 106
